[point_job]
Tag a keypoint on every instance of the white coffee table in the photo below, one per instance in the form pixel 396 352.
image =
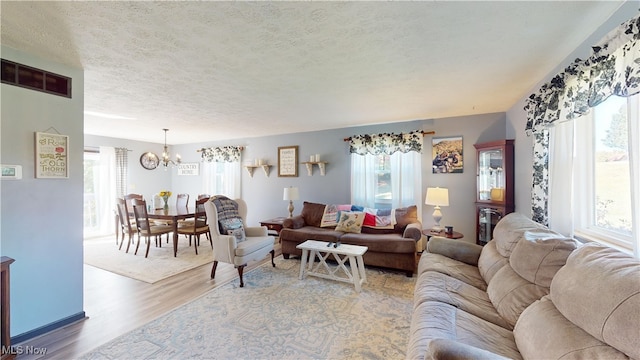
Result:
pixel 319 249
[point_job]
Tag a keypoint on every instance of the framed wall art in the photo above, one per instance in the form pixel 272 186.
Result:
pixel 288 161
pixel 52 156
pixel 447 155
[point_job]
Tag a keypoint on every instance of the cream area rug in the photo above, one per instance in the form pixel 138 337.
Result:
pixel 103 253
pixel 278 316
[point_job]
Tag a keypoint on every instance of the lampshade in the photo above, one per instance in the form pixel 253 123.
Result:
pixel 437 196
pixel 290 193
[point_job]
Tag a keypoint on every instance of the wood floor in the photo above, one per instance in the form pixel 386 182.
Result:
pixel 115 304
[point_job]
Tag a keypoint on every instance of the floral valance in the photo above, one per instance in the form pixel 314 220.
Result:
pixel 612 69
pixel 222 154
pixel 377 144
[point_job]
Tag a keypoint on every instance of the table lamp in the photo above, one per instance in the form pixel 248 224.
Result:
pixel 438 197
pixel 290 193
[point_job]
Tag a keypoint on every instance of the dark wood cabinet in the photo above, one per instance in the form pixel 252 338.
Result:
pixel 7 352
pixel 494 186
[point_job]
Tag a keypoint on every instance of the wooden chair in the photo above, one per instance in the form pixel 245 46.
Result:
pixel 182 200
pixel 204 196
pixel 125 222
pixel 144 227
pixel 197 226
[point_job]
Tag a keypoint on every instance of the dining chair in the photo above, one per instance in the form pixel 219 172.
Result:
pixel 145 229
pixel 203 196
pixel 240 245
pixel 197 226
pixel 125 222
pixel 182 200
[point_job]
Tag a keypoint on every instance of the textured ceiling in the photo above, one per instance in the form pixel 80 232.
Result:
pixel 228 70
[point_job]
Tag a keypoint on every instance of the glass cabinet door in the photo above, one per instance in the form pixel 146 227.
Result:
pixel 491 176
pixel 487 220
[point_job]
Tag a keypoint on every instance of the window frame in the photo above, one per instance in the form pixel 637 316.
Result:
pixel 585 226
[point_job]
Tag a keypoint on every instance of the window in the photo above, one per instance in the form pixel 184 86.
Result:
pixel 91 168
pixel 383 181
pixel 386 181
pixel 604 184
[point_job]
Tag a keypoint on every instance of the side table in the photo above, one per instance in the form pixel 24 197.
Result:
pixel 274 225
pixel 428 233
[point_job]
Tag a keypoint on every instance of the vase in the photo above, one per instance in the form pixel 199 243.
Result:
pixel 166 204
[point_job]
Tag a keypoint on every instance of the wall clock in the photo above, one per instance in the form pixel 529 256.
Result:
pixel 149 160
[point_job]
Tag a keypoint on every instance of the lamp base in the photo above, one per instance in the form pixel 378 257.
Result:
pixel 290 208
pixel 437 216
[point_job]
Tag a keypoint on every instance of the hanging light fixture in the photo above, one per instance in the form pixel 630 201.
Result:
pixel 166 160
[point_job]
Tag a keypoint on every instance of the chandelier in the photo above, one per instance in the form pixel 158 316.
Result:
pixel 166 160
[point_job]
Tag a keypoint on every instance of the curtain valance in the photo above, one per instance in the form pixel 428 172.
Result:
pixel 222 154
pixel 612 69
pixel 377 144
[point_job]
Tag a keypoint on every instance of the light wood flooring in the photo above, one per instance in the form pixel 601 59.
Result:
pixel 115 304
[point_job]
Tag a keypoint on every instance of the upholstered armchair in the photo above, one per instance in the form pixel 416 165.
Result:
pixel 233 241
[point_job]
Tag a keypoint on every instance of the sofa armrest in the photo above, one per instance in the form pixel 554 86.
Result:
pixel 445 349
pixel 295 222
pixel 256 231
pixel 458 250
pixel 413 231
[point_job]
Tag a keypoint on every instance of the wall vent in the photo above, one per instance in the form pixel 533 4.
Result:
pixel 35 79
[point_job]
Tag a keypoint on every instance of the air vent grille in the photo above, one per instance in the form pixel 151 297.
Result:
pixel 35 79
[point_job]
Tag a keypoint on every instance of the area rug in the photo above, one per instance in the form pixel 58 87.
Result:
pixel 103 253
pixel 278 316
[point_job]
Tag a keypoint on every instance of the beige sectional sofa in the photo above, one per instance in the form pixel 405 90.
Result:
pixel 529 293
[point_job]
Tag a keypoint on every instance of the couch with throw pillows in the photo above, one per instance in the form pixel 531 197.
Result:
pixel 529 293
pixel 389 234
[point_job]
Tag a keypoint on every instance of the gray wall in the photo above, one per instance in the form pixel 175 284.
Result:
pixel 264 194
pixel 41 219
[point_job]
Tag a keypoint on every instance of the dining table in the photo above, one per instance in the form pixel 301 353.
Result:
pixel 173 214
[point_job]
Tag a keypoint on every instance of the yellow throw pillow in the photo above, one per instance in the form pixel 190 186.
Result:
pixel 350 222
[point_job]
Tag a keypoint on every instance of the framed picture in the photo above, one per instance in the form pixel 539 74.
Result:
pixel 288 161
pixel 447 155
pixel 52 156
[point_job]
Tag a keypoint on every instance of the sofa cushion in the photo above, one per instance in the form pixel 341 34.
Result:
pixel 511 294
pixel 350 222
pixel 331 213
pixel 490 261
pixel 543 333
pixel 312 213
pixel 305 233
pixel 227 225
pixel 539 255
pixel 238 234
pixel 599 290
pixel 389 243
pixel 435 286
pixel 510 229
pixel 405 216
pixel 435 320
pixel 454 268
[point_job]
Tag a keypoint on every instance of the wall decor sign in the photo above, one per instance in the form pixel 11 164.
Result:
pixel 288 161
pixel 52 156
pixel 447 155
pixel 189 169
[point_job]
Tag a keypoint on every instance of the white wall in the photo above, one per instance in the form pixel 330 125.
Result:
pixel 41 219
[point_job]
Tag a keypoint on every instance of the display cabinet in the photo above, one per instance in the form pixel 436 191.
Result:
pixel 494 186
